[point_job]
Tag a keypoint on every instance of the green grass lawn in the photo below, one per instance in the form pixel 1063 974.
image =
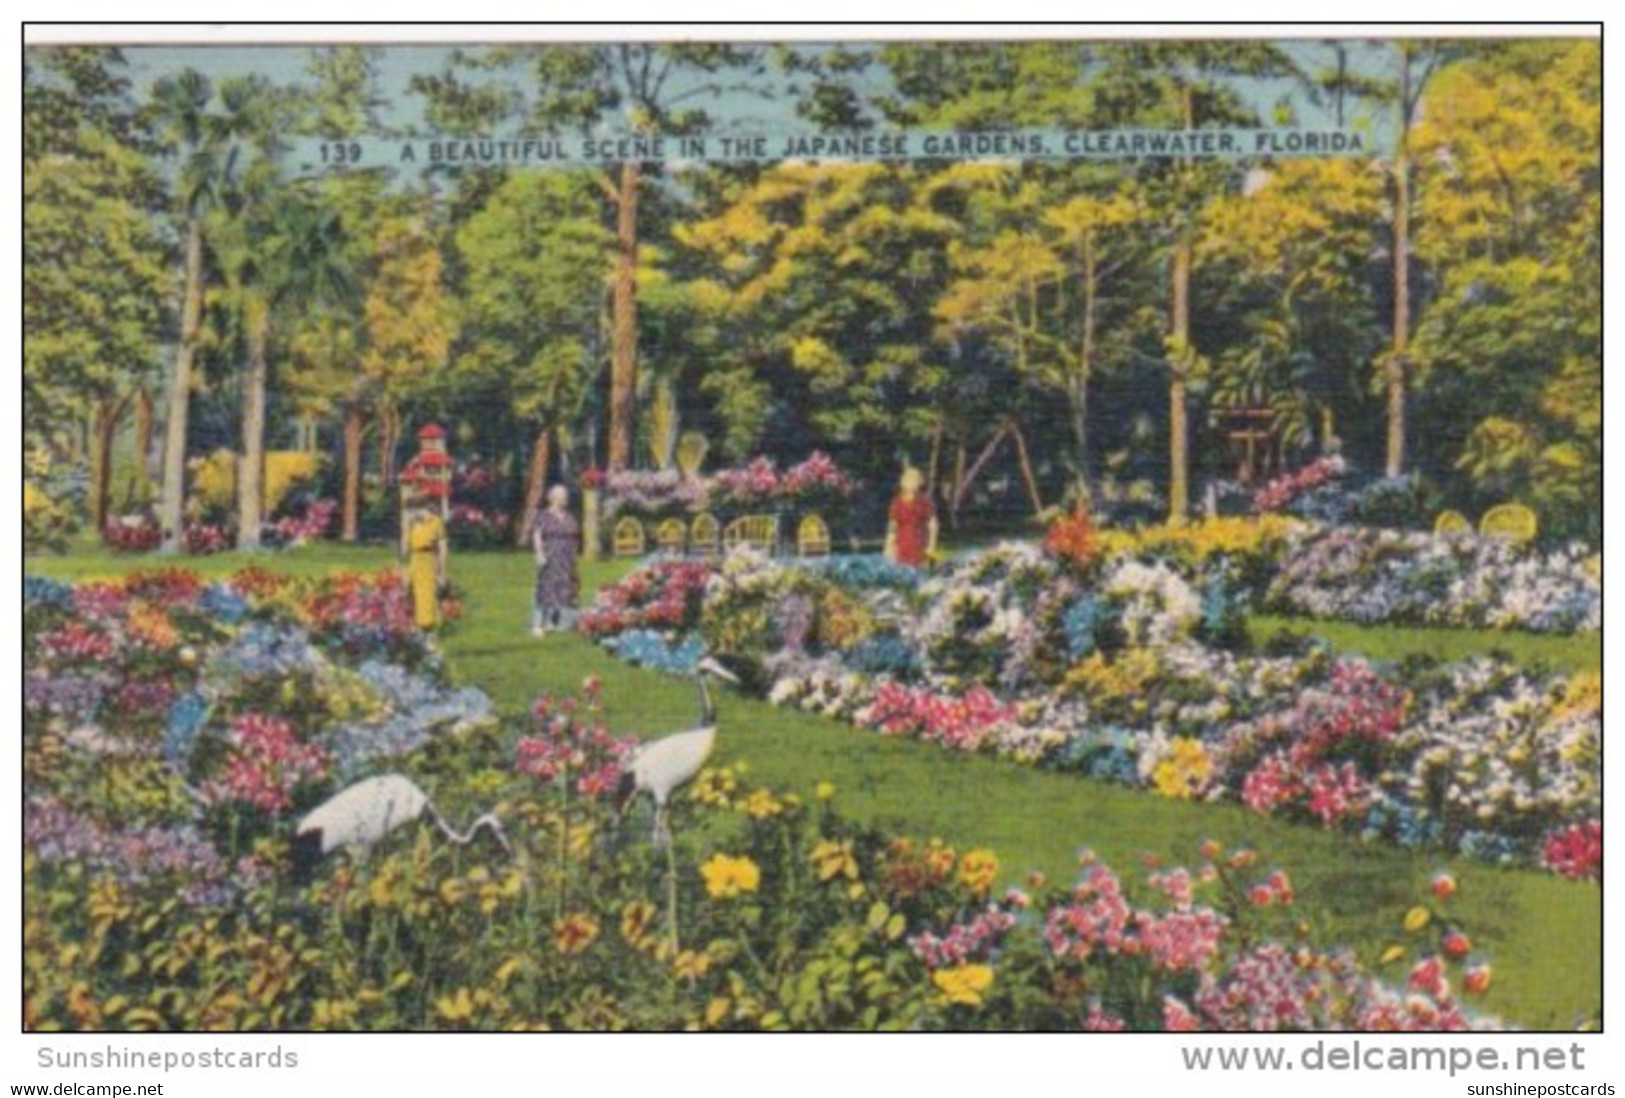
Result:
pixel 1542 934
pixel 1581 652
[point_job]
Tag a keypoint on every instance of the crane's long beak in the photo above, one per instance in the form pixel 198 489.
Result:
pixel 710 666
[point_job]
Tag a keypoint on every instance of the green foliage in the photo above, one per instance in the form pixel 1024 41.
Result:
pixel 96 282
pixel 1511 203
pixel 534 263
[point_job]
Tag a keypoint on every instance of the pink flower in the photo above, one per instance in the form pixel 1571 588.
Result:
pixel 1576 851
pixel 1428 977
pixel 1177 1017
pixel 267 764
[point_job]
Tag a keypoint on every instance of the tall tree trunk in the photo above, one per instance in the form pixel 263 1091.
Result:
pixel 1395 463
pixel 1179 322
pixel 352 471
pixel 143 444
pixel 1079 390
pixel 170 515
pixel 624 328
pixel 389 439
pixel 251 477
pixel 104 418
pixel 535 482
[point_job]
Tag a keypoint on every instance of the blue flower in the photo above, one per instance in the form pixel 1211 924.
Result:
pixel 187 716
pixel 1079 622
pixel 647 648
pixel 861 572
pixel 884 654
pixel 44 591
pixel 223 603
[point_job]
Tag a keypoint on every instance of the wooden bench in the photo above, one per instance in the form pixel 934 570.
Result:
pixel 759 531
pixel 671 536
pixel 812 537
pixel 628 537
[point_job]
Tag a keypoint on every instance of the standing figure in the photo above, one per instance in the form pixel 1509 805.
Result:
pixel 911 527
pixel 557 540
pixel 425 551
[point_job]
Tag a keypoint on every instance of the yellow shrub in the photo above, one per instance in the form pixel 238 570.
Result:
pixel 214 478
pixel 286 471
pixel 1196 542
pixel 214 481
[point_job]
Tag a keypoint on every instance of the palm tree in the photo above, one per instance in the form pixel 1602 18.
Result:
pixel 281 252
pixel 204 141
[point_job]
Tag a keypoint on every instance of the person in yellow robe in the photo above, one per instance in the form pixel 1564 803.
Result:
pixel 425 546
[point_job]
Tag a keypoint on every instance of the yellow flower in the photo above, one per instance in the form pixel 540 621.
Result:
pixel 964 984
pixel 1417 918
pixel 574 933
pixel 761 804
pixel 939 859
pixel 152 627
pixel 715 787
pixel 834 859
pixel 691 964
pixel 977 869
pixel 824 790
pixel 726 878
pixel 1185 771
pixel 456 1008
pixel 636 918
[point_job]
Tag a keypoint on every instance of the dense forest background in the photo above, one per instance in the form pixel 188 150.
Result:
pixel 1431 312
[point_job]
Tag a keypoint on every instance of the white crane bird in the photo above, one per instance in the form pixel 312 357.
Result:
pixel 358 816
pixel 661 766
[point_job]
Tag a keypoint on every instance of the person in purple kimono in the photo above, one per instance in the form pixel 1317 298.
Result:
pixel 557 540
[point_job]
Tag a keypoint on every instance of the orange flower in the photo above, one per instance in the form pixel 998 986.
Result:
pixel 574 933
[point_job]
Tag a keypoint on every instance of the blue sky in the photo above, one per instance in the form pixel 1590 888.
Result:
pixel 398 63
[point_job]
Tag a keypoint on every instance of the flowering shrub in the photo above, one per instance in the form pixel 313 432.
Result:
pixel 1279 493
pixel 476 527
pixel 1071 539
pixel 132 534
pixel 816 483
pixel 572 745
pixel 748 486
pixel 268 762
pixel 1576 851
pixel 956 722
pixel 1460 580
pixel 202 538
pixel 664 595
pixel 310 522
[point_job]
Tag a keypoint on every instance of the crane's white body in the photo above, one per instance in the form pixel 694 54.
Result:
pixel 358 816
pixel 661 766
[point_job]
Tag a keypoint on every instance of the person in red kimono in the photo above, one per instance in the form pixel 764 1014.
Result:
pixel 911 528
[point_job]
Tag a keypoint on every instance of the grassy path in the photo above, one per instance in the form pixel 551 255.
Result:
pixel 1543 934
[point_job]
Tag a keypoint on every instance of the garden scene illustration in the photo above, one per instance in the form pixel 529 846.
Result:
pixel 507 550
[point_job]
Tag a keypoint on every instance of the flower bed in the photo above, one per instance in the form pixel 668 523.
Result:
pixel 1118 673
pixel 782 915
pixel 816 484
pixel 169 724
pixel 1459 580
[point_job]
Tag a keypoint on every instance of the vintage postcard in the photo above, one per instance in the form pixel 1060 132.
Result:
pixel 903 534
